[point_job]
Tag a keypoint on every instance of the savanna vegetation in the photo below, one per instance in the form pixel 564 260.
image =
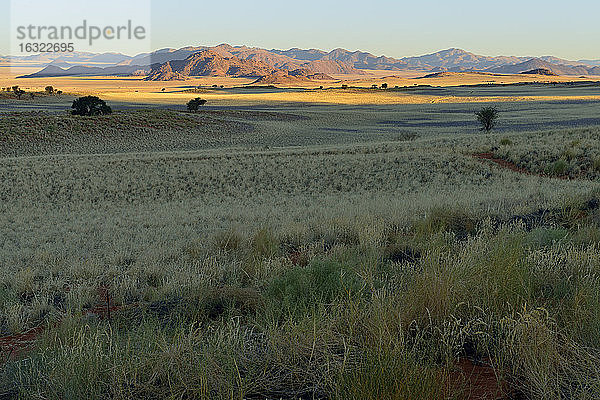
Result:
pixel 217 256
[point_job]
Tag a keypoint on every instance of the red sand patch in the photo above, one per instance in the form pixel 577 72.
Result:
pixel 13 346
pixel 514 167
pixel 503 163
pixel 479 381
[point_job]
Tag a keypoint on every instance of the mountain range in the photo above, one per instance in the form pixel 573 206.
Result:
pixel 227 60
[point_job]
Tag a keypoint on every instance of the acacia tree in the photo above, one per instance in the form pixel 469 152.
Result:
pixel 90 106
pixel 487 117
pixel 194 104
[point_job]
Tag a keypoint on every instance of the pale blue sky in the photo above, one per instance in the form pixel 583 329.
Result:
pixel 568 29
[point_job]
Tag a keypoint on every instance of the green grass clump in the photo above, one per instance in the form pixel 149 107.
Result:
pixel 320 283
pixel 541 237
pixel 454 221
pixel 559 167
pixel 386 375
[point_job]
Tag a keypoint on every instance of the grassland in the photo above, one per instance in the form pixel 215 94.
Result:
pixel 302 251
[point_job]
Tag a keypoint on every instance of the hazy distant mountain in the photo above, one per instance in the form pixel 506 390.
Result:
pixel 76 57
pixel 60 63
pixel 457 60
pixel 590 62
pixel 53 71
pixel 537 63
pixel 300 54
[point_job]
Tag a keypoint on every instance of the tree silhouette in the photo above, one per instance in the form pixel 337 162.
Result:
pixel 194 104
pixel 49 89
pixel 487 117
pixel 90 105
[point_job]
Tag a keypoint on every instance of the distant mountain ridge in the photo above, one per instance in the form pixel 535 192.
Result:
pixel 337 61
pixel 539 64
pixel 209 63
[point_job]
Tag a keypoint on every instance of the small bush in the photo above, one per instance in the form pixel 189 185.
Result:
pixel 506 142
pixel 90 106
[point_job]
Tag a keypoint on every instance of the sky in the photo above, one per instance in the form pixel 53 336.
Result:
pixel 395 28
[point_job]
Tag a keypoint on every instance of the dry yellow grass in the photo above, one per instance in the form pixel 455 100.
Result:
pixel 325 97
pixel 134 89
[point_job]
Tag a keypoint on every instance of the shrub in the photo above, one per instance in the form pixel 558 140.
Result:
pixel 194 104
pixel 384 85
pixel 49 90
pixel 597 164
pixel 90 106
pixel 506 142
pixel 559 167
pixel 487 117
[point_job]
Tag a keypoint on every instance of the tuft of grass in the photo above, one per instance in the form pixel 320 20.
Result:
pixel 228 241
pixel 559 167
pixel 322 282
pixel 541 237
pixel 264 244
pixel 454 221
pixel 392 376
